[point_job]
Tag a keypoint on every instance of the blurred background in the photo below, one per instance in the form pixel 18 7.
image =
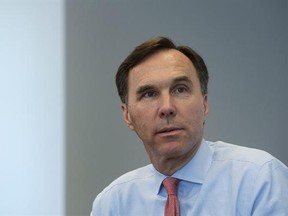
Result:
pixel 62 134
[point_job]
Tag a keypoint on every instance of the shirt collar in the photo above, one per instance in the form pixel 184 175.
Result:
pixel 157 179
pixel 194 171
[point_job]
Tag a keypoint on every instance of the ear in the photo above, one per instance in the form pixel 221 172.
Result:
pixel 206 107
pixel 126 116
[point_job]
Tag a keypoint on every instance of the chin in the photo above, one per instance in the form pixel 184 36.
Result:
pixel 173 150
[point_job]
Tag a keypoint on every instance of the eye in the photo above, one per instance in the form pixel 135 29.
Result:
pixel 180 90
pixel 146 92
pixel 149 94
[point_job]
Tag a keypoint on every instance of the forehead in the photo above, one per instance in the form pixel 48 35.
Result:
pixel 163 65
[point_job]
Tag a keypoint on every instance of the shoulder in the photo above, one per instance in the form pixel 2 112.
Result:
pixel 259 179
pixel 108 200
pixel 130 177
pixel 125 181
pixel 227 152
pixel 251 166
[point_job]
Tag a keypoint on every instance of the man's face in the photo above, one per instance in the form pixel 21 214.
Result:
pixel 165 106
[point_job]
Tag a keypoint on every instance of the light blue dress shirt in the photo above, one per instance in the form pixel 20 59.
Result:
pixel 221 180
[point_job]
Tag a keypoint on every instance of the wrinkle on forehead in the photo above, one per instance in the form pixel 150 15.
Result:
pixel 176 61
pixel 160 69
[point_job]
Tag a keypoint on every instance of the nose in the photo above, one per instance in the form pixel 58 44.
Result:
pixel 166 109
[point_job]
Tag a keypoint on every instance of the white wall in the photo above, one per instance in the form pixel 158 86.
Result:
pixel 31 108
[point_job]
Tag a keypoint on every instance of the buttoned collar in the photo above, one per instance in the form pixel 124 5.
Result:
pixel 194 171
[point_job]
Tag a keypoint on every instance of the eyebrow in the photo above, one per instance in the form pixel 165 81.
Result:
pixel 182 79
pixel 144 88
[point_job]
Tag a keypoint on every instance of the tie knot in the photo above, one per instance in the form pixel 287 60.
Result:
pixel 171 184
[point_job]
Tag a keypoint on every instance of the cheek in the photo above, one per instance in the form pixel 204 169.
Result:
pixel 141 122
pixel 194 115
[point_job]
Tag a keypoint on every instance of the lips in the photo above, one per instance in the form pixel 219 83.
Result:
pixel 168 130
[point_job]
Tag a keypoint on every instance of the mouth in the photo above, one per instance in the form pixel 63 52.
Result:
pixel 168 130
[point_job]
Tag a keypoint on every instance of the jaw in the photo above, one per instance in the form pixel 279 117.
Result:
pixel 171 156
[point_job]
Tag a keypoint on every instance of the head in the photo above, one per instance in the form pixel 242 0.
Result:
pixel 148 48
pixel 163 89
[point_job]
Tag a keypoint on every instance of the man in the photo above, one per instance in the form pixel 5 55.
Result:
pixel 163 89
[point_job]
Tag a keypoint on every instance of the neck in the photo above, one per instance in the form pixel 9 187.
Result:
pixel 169 165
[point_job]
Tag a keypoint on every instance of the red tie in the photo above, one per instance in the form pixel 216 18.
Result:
pixel 172 204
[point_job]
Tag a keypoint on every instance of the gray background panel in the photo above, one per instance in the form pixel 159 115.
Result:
pixel 244 44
